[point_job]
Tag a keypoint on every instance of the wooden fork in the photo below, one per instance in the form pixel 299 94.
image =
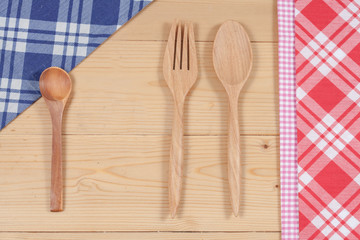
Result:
pixel 180 72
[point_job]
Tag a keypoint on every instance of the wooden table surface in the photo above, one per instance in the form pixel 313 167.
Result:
pixel 116 139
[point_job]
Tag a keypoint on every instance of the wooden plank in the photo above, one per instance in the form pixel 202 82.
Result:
pixel 100 192
pixel 154 22
pixel 143 236
pixel 119 183
pixel 120 89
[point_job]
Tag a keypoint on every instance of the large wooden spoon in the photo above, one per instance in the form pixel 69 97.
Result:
pixel 232 57
pixel 55 87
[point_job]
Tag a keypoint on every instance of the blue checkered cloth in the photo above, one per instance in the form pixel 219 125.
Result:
pixel 37 34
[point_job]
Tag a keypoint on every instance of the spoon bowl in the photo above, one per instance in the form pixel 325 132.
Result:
pixel 232 54
pixel 55 86
pixel 232 57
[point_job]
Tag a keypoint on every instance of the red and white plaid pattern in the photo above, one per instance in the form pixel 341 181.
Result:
pixel 327 49
pixel 287 102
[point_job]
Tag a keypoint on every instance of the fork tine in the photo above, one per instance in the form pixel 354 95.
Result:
pixel 185 49
pixel 192 49
pixel 169 58
pixel 178 47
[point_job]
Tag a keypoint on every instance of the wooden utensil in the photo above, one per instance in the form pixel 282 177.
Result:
pixel 232 58
pixel 55 87
pixel 180 72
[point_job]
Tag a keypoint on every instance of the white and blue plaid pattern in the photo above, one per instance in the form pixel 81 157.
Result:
pixel 37 34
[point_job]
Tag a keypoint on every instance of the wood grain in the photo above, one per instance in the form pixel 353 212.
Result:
pixel 137 236
pixel 120 90
pixel 119 183
pixel 259 16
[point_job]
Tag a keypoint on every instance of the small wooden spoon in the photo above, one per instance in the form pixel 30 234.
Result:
pixel 232 58
pixel 55 87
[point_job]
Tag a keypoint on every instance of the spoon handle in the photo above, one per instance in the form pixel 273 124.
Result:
pixel 56 195
pixel 234 171
pixel 176 158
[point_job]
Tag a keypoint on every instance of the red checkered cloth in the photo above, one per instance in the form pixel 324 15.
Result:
pixel 287 120
pixel 327 49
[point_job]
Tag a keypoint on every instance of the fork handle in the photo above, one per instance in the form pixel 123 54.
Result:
pixel 234 166
pixel 176 158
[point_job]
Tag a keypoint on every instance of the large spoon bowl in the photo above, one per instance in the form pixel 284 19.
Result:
pixel 232 54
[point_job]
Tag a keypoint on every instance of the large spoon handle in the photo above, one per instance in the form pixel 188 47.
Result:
pixel 56 197
pixel 234 171
pixel 176 158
